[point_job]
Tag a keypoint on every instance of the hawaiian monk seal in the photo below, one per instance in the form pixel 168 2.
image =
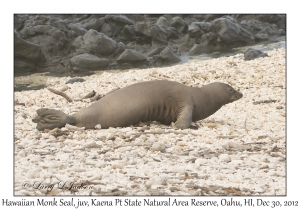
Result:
pixel 161 100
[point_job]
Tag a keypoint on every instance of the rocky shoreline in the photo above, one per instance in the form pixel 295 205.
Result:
pixel 240 150
pixel 71 44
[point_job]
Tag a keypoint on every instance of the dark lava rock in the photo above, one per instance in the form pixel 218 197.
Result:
pixel 261 30
pixel 230 32
pixel 78 29
pixel 163 22
pixel 27 50
pixel 131 56
pixel 92 22
pixel 51 39
pixel 128 33
pixel 61 25
pixel 73 80
pixel 204 26
pixel 166 57
pixel 19 21
pixel 99 43
pixel 121 48
pixel 114 24
pixel 194 30
pixel 120 20
pixel 209 42
pixel 88 62
pixel 179 24
pixel 147 32
pixel 251 54
pixel 50 43
pixel 154 51
pixel 172 33
pixel 23 66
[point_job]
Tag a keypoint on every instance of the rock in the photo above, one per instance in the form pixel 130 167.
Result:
pixel 230 32
pixel 261 30
pixel 204 26
pixel 194 30
pixel 119 20
pixel 88 62
pixel 280 32
pixel 279 20
pixel 108 36
pixel 197 49
pixel 211 125
pixel 179 24
pixel 158 43
pixel 92 23
pixel 154 51
pixel 27 50
pixel 98 43
pixel 136 18
pixel 128 33
pixel 234 146
pixel 200 161
pixel 52 42
pixel 166 57
pixel 32 173
pixel 158 147
pixel 107 29
pixel 130 56
pixel 78 29
pixel 19 21
pixel 73 80
pixel 61 25
pixel 224 157
pixel 251 54
pixel 78 43
pixel 209 43
pixel 121 48
pixel 148 32
pixel 158 33
pixel 184 44
pixel 114 24
pixel 23 66
pixel 50 37
pixel 172 33
pixel 163 22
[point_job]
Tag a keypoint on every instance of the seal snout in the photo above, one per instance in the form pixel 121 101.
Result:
pixel 236 96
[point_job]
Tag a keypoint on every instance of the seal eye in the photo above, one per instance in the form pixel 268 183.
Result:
pixel 230 90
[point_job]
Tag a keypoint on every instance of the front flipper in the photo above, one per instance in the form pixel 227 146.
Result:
pixel 184 118
pixel 51 118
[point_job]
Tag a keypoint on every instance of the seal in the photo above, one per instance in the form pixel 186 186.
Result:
pixel 160 100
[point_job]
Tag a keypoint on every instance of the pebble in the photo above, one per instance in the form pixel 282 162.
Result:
pixel 21 154
pixel 98 126
pixel 158 147
pixel 200 161
pixel 224 157
pixel 32 173
pixel 211 125
pixel 263 167
pixel 73 80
